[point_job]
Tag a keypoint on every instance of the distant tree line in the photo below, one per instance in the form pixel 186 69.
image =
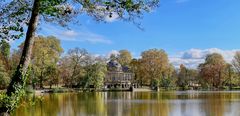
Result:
pixel 80 69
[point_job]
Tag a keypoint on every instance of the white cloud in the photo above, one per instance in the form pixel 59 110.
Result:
pixel 193 57
pixel 84 36
pixel 72 35
pixel 115 52
pixel 191 63
pixel 193 53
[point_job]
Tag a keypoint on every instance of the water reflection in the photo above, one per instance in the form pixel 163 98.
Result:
pixel 135 104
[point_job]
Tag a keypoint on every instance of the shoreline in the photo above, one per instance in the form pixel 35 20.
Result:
pixel 144 89
pixel 76 90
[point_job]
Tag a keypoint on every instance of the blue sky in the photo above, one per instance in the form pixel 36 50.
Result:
pixel 182 28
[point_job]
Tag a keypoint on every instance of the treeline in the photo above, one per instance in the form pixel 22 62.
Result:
pixel 80 69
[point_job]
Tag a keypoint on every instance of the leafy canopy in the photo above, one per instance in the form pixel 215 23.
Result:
pixel 15 14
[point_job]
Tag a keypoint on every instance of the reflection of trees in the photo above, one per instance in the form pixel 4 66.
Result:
pixel 66 104
pixel 91 104
pixel 218 103
pixel 133 104
pixel 82 104
pixel 137 104
pixel 47 107
pixel 102 104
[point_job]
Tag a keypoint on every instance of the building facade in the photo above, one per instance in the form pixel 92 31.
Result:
pixel 118 76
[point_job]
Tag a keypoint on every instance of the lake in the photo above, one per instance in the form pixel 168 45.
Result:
pixel 175 103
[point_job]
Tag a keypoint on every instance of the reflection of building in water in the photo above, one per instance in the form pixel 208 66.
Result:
pixel 118 76
pixel 119 103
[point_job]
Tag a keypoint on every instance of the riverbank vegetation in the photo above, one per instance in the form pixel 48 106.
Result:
pixel 80 69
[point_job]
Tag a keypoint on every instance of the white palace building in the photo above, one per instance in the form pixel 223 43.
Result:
pixel 118 76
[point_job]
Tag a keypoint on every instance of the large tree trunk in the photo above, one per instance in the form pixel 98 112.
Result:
pixel 27 50
pixel 18 78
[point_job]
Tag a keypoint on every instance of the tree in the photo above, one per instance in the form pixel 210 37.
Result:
pixel 4 54
pixel 19 13
pixel 234 69
pixel 169 78
pixel 153 65
pixel 13 60
pixel 212 70
pixel 135 68
pixel 113 57
pixel 52 74
pixel 46 53
pixel 4 77
pixel 193 77
pixel 186 77
pixel 5 49
pixel 5 69
pixel 124 57
pixel 182 76
pixel 81 69
pixel 236 62
pixel 95 74
pixel 229 74
pixel 65 71
pixel 73 65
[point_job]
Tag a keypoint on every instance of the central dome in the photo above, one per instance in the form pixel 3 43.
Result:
pixel 114 65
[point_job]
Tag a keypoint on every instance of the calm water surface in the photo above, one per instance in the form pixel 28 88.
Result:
pixel 187 103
